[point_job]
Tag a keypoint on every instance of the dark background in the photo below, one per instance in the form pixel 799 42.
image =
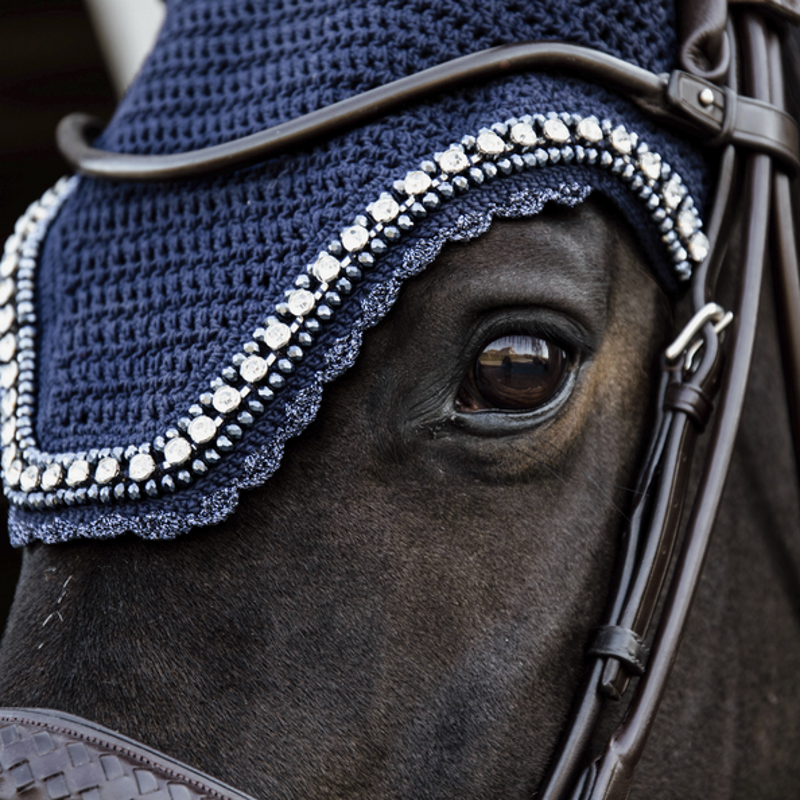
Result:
pixel 50 65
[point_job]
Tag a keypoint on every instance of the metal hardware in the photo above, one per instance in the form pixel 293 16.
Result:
pixel 720 326
pixel 711 312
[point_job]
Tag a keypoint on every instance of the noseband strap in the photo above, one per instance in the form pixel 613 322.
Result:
pixel 48 755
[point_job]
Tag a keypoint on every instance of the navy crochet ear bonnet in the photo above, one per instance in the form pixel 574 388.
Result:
pixel 161 342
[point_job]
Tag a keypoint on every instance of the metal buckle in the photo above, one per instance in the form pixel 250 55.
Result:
pixel 687 343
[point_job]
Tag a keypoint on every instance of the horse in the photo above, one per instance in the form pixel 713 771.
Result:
pixel 404 609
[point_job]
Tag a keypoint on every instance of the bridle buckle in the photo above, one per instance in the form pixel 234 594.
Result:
pixel 688 343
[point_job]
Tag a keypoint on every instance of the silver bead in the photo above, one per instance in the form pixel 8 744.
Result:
pixel 300 302
pixel 107 470
pixel 78 473
pixel 202 429
pixel 51 477
pixel 141 467
pixel 326 268
pixel 178 450
pixel 253 369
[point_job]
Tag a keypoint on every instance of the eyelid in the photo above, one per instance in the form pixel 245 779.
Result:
pixel 544 323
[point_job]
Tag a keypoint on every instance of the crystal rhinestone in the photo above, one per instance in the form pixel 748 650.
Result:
pixel 107 470
pixel 6 290
pixel 621 141
pixel 673 193
pixel 698 246
pixel 226 399
pixel 523 134
pixel 7 317
pixel 326 268
pixel 687 222
pixel 51 477
pixel 8 374
pixel 385 209
pixel 300 302
pixel 490 144
pixel 9 402
pixel 253 369
pixel 141 467
pixel 453 161
pixel 9 454
pixel 78 473
pixel 277 335
pixel 590 130
pixel 353 238
pixel 8 347
pixel 202 429
pixel 416 182
pixel 650 164
pixel 9 430
pixel 13 473
pixel 178 450
pixel 556 131
pixel 29 479
pixel 8 266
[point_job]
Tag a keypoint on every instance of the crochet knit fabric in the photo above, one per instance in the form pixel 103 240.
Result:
pixel 145 293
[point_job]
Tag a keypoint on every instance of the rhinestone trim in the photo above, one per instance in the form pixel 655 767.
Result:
pixel 35 479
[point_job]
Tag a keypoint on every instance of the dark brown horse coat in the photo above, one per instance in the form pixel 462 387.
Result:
pixel 403 610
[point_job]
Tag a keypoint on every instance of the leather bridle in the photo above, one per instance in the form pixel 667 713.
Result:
pixel 660 563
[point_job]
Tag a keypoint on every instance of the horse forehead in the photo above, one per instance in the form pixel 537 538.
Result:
pixel 564 259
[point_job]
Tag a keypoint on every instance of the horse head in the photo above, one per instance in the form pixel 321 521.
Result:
pixel 393 406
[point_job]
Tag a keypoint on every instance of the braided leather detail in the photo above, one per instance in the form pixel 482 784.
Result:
pixel 46 755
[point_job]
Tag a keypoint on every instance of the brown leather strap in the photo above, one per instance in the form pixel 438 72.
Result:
pixel 786 8
pixel 611 777
pixel 690 399
pixel 740 120
pixel 678 101
pixel 705 50
pixel 621 643
pixel 48 755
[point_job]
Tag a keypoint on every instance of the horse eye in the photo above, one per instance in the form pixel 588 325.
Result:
pixel 514 373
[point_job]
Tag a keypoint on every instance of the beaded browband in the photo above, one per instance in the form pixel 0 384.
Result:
pixel 262 370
